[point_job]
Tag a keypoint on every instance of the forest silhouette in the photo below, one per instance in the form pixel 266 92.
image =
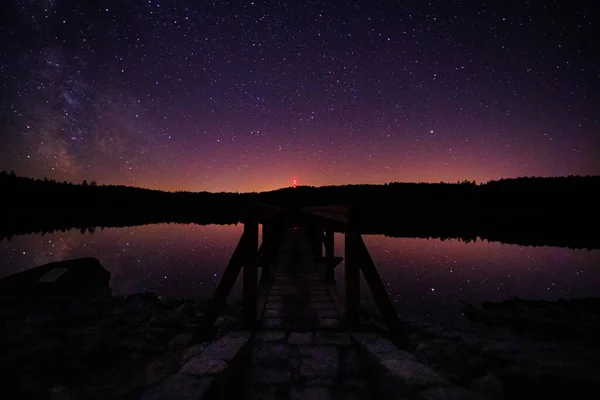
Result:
pixel 557 211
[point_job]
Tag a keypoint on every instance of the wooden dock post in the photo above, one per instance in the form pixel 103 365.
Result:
pixel 250 272
pixel 352 276
pixel 269 243
pixel 329 256
pixel 383 301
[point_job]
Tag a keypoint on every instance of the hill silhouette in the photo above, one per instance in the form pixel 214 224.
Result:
pixel 558 211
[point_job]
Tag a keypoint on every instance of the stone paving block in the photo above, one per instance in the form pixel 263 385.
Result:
pixel 180 387
pixel 351 365
pixel 333 338
pixel 267 374
pixel 273 323
pixel 285 292
pixel 270 336
pixel 266 392
pixel 269 313
pixel 301 338
pixel 321 381
pixel 282 287
pixel 310 393
pixel 319 298
pixel 354 390
pixel 275 298
pixel 320 306
pixel 381 348
pixel 265 353
pixel 327 314
pixel 201 365
pixel 354 383
pixel 193 351
pixel 329 323
pixel 449 393
pixel 319 361
pixel 225 348
pixel 412 374
pixel 272 305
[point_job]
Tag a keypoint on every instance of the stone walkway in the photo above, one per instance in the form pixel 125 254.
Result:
pixel 300 350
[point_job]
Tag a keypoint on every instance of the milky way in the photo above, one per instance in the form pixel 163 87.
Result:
pixel 249 95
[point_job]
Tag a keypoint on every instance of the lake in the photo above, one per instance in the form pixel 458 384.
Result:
pixel 425 278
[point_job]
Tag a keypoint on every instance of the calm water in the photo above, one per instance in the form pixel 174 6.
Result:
pixel 426 278
pixel 429 278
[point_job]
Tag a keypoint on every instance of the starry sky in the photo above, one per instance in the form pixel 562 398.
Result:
pixel 249 95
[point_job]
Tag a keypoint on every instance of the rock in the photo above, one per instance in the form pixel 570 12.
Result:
pixel 412 374
pixel 539 381
pixel 225 348
pixel 300 338
pixel 225 322
pixel 139 301
pixel 82 277
pixel 270 336
pixel 488 385
pixel 448 393
pixel 351 365
pixel 333 338
pixel 270 353
pixel 319 361
pixel 200 365
pixel 179 387
pixel 268 375
pixel 160 368
pixel 180 341
pixel 310 393
pixel 193 351
pixel 379 348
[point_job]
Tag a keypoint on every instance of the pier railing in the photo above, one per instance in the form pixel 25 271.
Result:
pixel 320 225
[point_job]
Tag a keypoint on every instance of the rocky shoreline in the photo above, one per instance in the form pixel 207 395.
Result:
pixel 119 347
pixel 517 349
pixel 98 348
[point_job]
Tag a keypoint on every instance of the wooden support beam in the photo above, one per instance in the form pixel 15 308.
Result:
pixel 352 278
pixel 268 251
pixel 385 305
pixel 250 274
pixel 219 298
pixel 329 256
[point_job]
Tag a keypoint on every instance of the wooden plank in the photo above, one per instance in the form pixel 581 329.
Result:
pixel 250 274
pixel 352 278
pixel 219 298
pixel 339 213
pixel 383 301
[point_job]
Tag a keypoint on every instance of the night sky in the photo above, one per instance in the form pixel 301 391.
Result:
pixel 249 95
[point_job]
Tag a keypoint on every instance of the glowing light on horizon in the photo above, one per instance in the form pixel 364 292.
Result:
pixel 294 183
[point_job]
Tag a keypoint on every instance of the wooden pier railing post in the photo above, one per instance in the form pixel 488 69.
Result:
pixel 352 277
pixel 250 272
pixel 224 287
pixel 329 256
pixel 269 249
pixel 380 295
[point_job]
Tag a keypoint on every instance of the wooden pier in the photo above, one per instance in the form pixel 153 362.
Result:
pixel 300 340
pixel 301 343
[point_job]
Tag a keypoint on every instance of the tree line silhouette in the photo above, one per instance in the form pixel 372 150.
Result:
pixel 558 211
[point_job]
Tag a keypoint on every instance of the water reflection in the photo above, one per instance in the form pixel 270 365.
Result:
pixel 425 278
pixel 428 278
pixel 172 260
